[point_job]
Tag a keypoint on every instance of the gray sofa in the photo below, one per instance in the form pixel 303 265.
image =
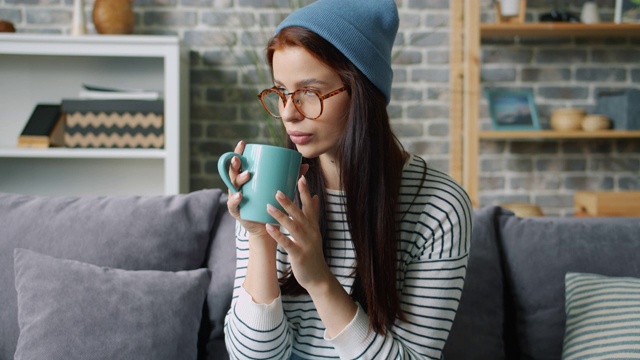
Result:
pixel 115 277
pixel 122 277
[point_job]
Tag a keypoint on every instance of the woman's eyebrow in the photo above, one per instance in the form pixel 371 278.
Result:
pixel 303 83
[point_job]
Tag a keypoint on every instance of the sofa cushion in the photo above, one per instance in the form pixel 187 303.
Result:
pixel 221 260
pixel 478 326
pixel 73 310
pixel 166 233
pixel 538 252
pixel 603 317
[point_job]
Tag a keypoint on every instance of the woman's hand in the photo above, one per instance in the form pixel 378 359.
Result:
pixel 238 179
pixel 305 248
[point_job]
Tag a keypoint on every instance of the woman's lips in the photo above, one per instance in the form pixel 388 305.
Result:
pixel 299 138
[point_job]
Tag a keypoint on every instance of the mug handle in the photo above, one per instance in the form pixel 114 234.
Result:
pixel 223 168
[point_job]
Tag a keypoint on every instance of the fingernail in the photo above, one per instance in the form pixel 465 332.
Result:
pixel 270 228
pixel 239 143
pixel 236 196
pixel 304 179
pixel 280 195
pixel 244 173
pixel 271 208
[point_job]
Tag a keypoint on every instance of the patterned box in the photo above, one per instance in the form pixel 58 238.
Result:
pixel 114 123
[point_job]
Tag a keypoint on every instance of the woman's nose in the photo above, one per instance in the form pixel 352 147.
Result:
pixel 290 113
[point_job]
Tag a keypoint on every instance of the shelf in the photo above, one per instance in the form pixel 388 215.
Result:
pixel 65 153
pixel 554 29
pixel 551 134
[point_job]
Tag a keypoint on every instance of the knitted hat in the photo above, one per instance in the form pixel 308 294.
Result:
pixel 363 30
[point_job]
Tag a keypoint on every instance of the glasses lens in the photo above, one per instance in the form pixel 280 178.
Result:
pixel 308 103
pixel 272 102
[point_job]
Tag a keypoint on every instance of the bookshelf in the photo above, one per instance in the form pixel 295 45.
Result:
pixel 467 33
pixel 47 68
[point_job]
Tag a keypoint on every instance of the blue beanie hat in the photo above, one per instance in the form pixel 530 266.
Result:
pixel 363 30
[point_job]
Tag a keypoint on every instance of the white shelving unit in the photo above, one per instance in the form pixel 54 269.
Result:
pixel 48 68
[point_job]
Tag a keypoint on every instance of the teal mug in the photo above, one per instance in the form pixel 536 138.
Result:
pixel 271 168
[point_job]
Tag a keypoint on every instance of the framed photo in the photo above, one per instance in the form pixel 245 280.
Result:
pixel 627 11
pixel 512 110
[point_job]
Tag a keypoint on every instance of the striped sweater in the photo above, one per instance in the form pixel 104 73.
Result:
pixel 435 231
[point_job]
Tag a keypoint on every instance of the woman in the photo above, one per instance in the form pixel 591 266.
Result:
pixel 371 261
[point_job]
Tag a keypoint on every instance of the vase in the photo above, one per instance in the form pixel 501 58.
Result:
pixel 510 7
pixel 113 16
pixel 78 22
pixel 589 14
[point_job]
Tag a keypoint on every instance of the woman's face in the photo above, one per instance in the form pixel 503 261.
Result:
pixel 295 68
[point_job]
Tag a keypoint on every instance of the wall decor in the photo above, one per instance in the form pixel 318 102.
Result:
pixel 627 11
pixel 512 109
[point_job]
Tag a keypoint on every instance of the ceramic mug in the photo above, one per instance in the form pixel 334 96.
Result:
pixel 271 168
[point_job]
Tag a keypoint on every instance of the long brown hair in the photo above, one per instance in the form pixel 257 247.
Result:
pixel 371 161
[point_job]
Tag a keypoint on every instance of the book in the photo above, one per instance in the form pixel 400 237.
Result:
pixel 120 106
pixel 44 128
pixel 101 92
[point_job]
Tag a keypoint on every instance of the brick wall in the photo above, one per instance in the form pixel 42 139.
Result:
pixel 223 37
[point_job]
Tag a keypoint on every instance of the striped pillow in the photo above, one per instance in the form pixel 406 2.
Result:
pixel 603 317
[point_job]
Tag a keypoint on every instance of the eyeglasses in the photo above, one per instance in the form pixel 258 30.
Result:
pixel 308 102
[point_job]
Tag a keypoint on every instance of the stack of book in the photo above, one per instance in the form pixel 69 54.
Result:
pixel 114 118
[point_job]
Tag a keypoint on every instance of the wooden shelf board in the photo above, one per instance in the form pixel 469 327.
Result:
pixel 551 134
pixel 65 153
pixel 555 29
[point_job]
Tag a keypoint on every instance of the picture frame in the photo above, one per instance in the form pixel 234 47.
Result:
pixel 512 109
pixel 627 11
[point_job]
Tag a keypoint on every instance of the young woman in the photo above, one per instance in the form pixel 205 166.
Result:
pixel 370 263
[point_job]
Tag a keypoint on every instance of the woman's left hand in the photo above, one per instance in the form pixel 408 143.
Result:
pixel 305 245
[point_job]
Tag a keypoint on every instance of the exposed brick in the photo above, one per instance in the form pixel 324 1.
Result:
pixel 427 147
pixel 156 2
pixel 635 75
pixel 496 199
pixel 409 21
pixel 427 112
pixel 601 74
pixel 583 182
pixel 195 168
pixel 543 181
pixel 437 21
pixel 407 57
pixel 498 74
pixel 545 74
pixel 438 57
pixel 492 165
pixel 12 15
pixel 428 4
pixel 520 164
pixel 32 2
pixel 211 112
pixel 209 76
pixel 615 164
pixel 422 38
pixel 561 164
pixel 629 182
pixel 563 92
pixel 48 16
pixel 534 148
pixel 430 75
pixel 492 183
pixel 587 147
pixel 170 18
pixel 408 129
pixel 204 3
pixel 403 93
pixel 507 55
pixel 227 19
pixel 438 129
pixel 197 38
pixel 616 56
pixel 264 3
pixel 562 56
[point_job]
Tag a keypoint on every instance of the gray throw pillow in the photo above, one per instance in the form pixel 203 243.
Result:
pixel 72 310
pixel 477 331
pixel 167 233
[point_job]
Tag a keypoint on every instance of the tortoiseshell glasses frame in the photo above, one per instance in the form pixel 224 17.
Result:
pixel 308 102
